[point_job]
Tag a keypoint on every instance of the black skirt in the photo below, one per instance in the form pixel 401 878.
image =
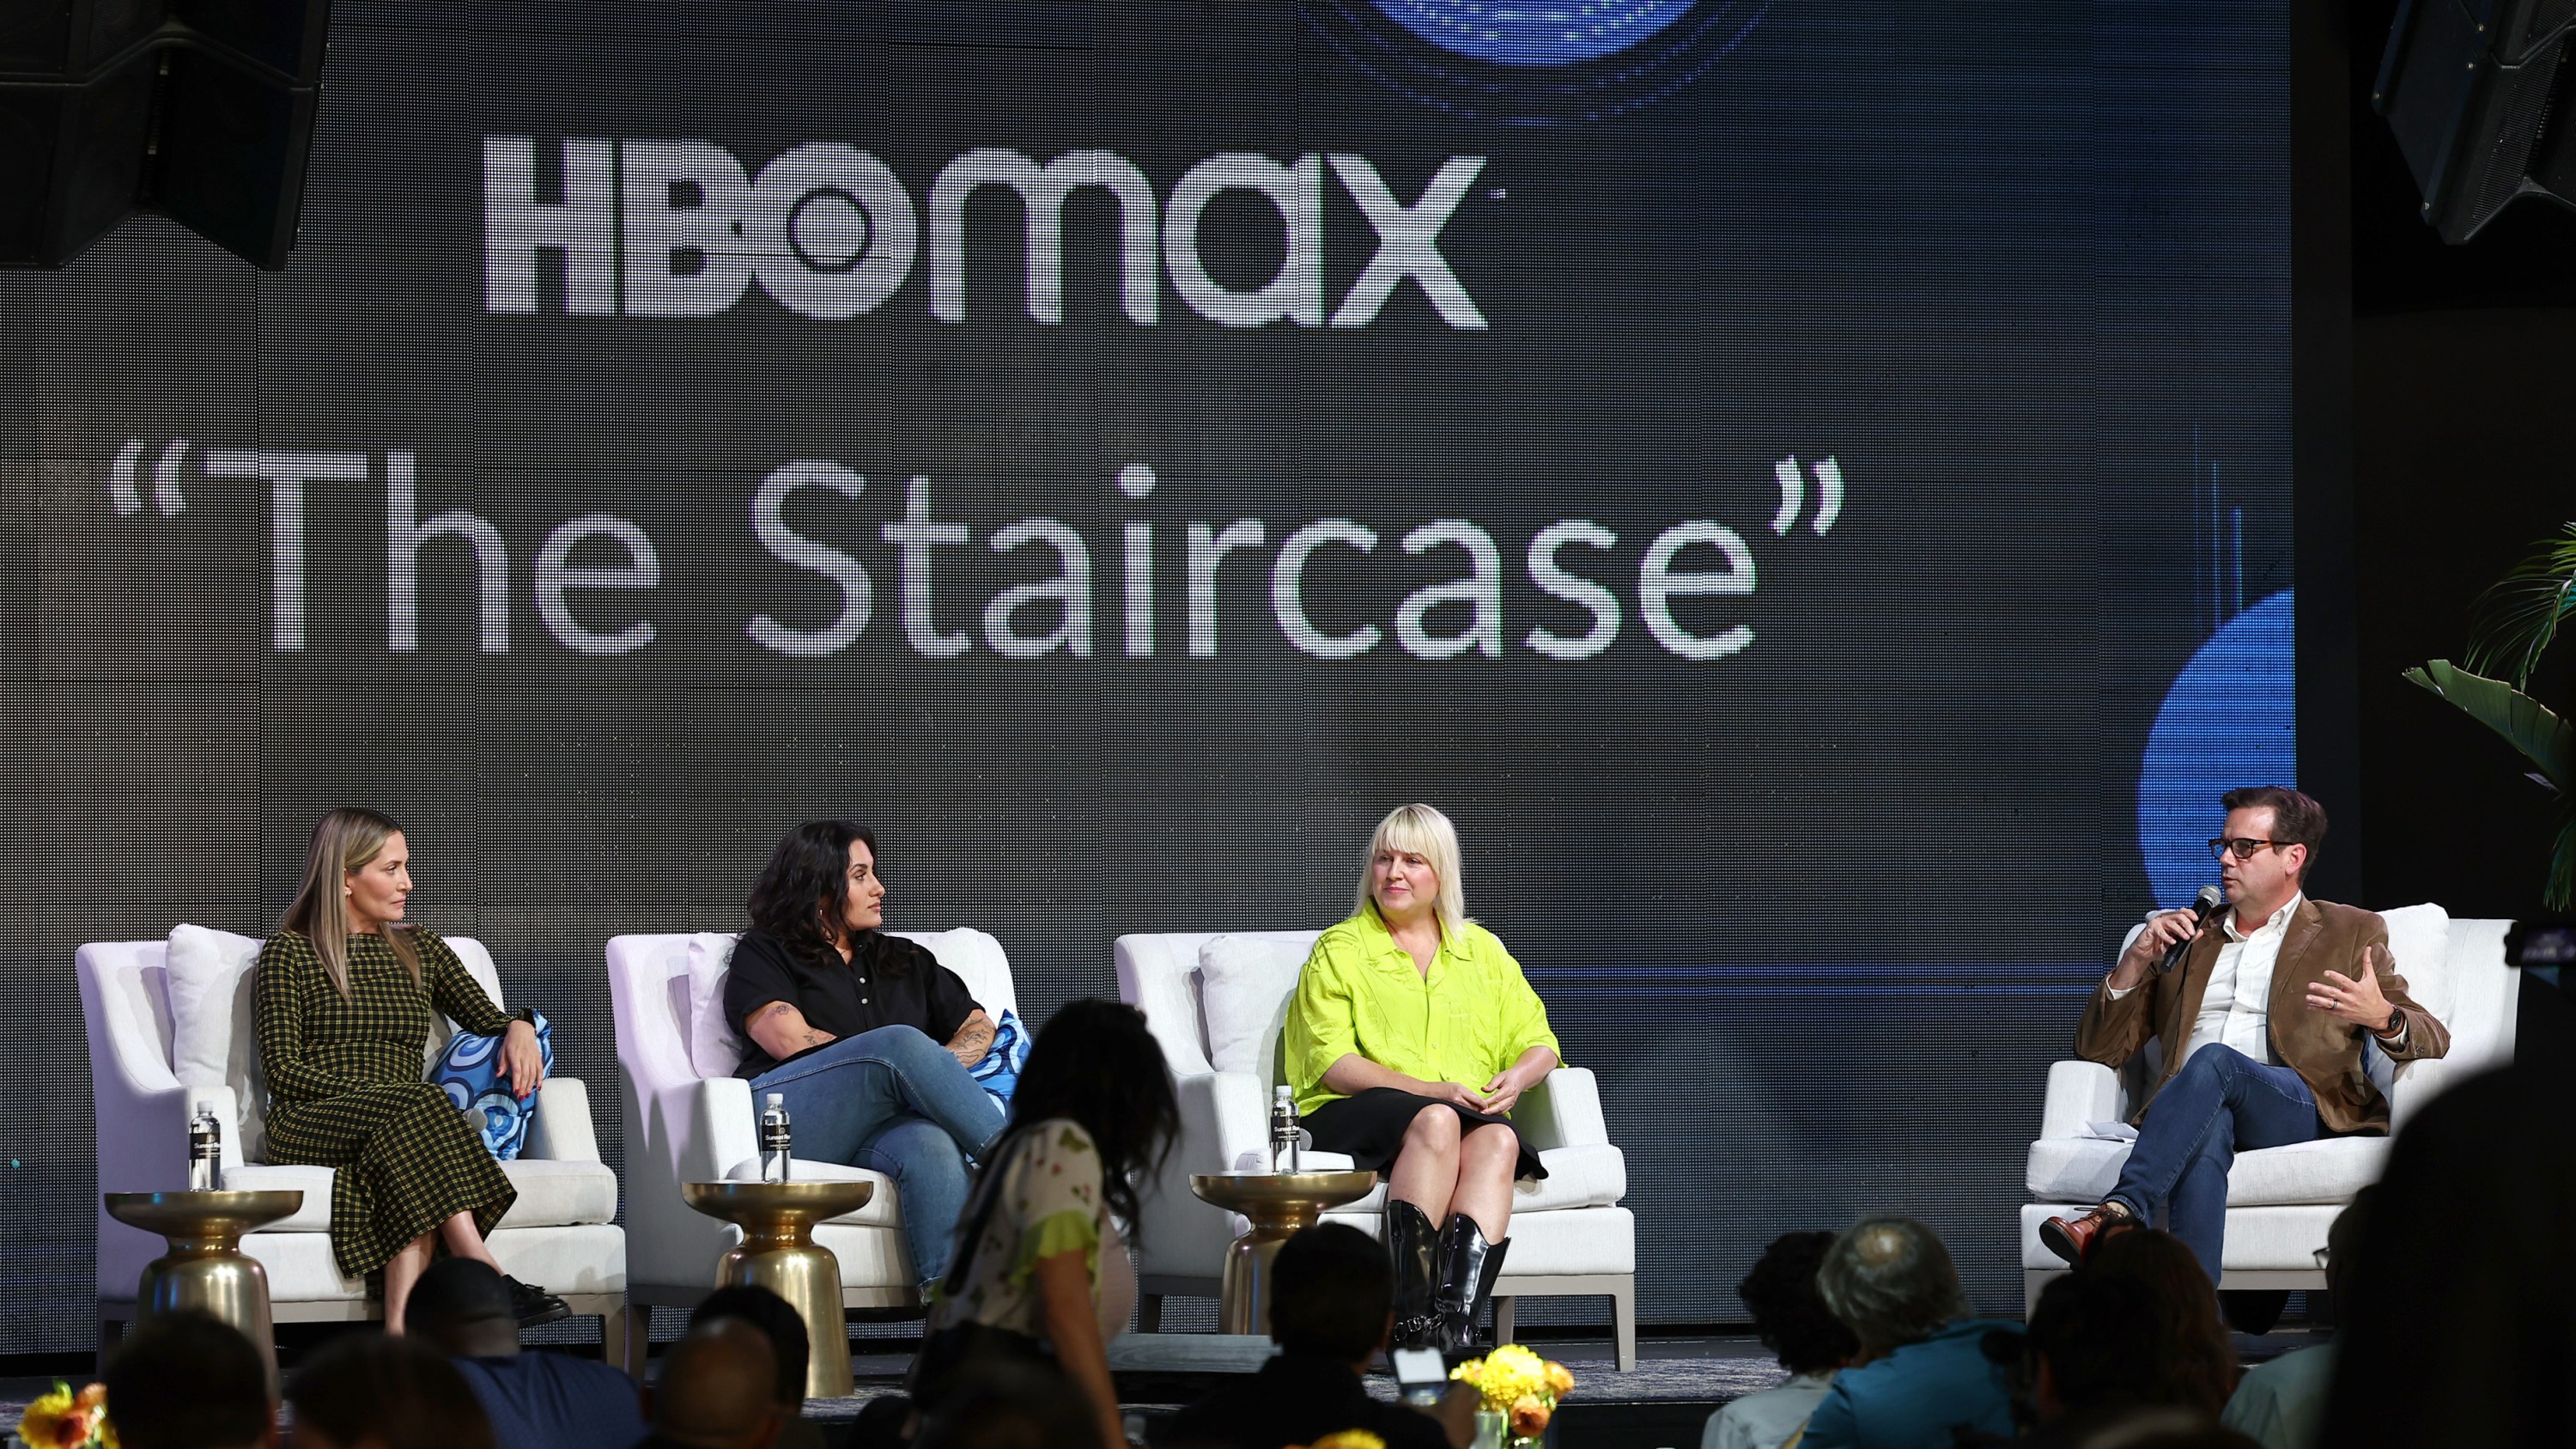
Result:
pixel 1369 1128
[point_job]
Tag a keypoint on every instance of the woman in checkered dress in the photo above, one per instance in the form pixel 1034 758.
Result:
pixel 340 1039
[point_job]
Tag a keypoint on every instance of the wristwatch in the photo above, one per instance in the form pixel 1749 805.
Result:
pixel 2396 1021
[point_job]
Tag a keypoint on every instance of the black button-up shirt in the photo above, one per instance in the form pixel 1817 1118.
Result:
pixel 888 981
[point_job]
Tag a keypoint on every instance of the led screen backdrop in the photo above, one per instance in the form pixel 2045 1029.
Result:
pixel 1805 486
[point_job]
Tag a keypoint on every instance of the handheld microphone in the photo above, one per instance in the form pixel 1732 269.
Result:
pixel 2208 903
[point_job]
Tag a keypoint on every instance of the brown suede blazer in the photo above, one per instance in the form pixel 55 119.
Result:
pixel 2323 1049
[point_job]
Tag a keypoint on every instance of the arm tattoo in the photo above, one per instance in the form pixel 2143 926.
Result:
pixel 972 1039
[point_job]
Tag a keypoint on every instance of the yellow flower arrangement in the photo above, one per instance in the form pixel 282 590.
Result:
pixel 1519 1385
pixel 1346 1439
pixel 65 1420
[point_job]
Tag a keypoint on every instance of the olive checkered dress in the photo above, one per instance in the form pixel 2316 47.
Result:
pixel 347 1090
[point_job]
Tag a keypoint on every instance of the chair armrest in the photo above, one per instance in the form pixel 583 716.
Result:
pixel 723 1130
pixel 561 1131
pixel 1223 1116
pixel 1562 1111
pixel 2078 1093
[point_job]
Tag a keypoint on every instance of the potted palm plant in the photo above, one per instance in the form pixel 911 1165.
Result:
pixel 2511 626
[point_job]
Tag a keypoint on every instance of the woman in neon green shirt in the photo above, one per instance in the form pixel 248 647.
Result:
pixel 1411 1036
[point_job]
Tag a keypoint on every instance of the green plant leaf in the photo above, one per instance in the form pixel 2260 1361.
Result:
pixel 2513 623
pixel 2528 725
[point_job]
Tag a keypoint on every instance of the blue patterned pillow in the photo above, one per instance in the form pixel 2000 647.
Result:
pixel 469 1072
pixel 999 1071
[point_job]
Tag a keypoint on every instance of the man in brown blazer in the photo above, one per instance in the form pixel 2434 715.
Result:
pixel 2262 1028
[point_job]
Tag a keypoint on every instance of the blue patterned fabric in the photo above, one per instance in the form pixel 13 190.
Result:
pixel 469 1072
pixel 999 1071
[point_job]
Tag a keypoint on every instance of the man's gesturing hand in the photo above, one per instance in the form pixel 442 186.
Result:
pixel 2355 1001
pixel 2164 930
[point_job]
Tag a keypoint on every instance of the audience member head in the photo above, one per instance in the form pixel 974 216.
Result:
pixel 717 1388
pixel 2099 1344
pixel 190 1381
pixel 1095 1062
pixel 2455 1328
pixel 1426 832
pixel 775 1317
pixel 2343 1246
pixel 346 841
pixel 1891 1282
pixel 374 1391
pixel 1780 1293
pixel 1332 1294
pixel 805 895
pixel 463 1308
pixel 2200 1357
pixel 1012 1406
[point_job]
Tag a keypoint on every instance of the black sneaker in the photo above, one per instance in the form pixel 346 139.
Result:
pixel 532 1306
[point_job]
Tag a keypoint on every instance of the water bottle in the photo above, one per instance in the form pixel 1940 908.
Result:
pixel 205 1151
pixel 773 1138
pixel 1283 1131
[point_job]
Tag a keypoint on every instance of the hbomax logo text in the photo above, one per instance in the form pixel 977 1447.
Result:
pixel 678 228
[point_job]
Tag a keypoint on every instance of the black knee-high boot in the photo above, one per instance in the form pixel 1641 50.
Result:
pixel 1414 1244
pixel 1468 1267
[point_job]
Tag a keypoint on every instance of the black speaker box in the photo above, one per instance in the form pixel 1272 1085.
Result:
pixel 200 110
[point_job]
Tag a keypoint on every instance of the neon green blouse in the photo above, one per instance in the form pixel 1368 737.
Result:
pixel 1472 1016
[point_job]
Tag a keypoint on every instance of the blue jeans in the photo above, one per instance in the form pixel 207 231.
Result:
pixel 895 1101
pixel 2220 1101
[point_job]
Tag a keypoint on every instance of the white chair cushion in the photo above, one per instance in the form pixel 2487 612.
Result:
pixel 212 1042
pixel 314 1182
pixel 715 1048
pixel 2419 937
pixel 559 1194
pixel 977 959
pixel 2084 1170
pixel 1246 980
pixel 551 1194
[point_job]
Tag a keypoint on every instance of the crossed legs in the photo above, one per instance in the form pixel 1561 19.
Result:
pixel 404 1268
pixel 2221 1102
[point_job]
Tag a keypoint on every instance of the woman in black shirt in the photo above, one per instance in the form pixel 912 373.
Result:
pixel 866 1035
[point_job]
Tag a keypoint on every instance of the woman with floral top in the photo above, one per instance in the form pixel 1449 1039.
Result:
pixel 1040 1270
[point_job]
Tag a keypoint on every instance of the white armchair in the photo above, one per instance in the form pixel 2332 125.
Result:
pixel 2281 1200
pixel 1217 1001
pixel 689 1119
pixel 158 1047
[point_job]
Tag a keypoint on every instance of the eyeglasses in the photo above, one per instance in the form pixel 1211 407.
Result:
pixel 2243 845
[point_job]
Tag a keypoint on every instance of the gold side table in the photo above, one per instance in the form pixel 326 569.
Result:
pixel 1279 1205
pixel 778 1252
pixel 205 1268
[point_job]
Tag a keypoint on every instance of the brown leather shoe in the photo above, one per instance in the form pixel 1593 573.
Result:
pixel 2078 1238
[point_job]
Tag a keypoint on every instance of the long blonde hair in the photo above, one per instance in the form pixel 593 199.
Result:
pixel 344 839
pixel 1426 832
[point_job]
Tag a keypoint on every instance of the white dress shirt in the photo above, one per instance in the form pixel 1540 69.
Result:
pixel 2236 1005
pixel 1767 1419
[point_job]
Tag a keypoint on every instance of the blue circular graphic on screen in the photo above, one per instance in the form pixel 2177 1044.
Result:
pixel 2230 719
pixel 1537 63
pixel 1558 34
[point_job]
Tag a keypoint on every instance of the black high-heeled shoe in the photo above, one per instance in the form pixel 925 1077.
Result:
pixel 532 1305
